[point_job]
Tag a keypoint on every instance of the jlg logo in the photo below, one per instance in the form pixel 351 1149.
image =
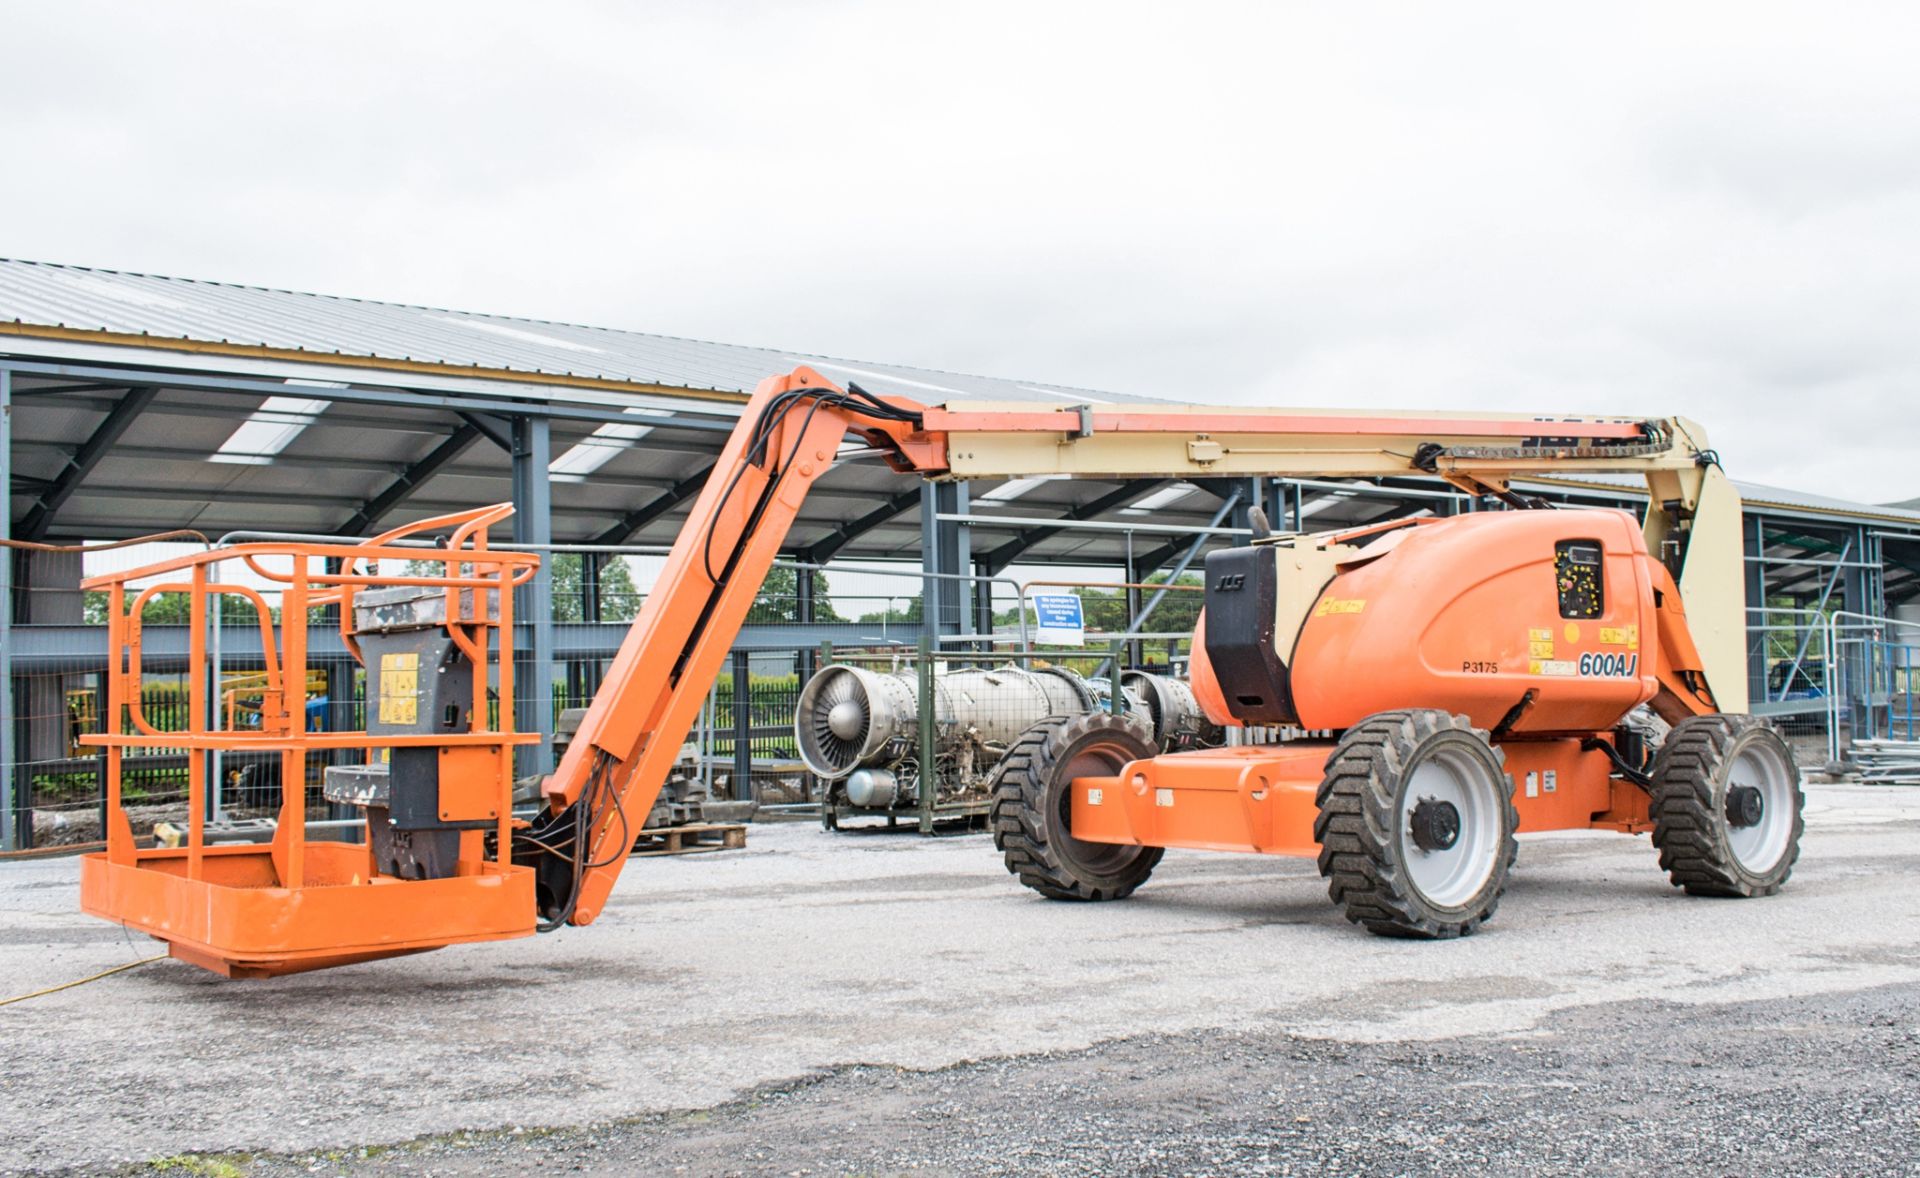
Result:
pixel 1229 582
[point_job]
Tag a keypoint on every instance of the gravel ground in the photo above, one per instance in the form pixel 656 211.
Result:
pixel 824 1003
pixel 1829 1085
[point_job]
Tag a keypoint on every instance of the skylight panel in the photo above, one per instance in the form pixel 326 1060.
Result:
pixel 1319 505
pixel 268 430
pixel 1012 489
pixel 1159 499
pixel 598 448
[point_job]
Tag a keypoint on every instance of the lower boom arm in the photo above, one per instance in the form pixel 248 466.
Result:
pixel 606 783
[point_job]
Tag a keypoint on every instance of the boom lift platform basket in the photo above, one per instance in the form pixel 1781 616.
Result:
pixel 254 910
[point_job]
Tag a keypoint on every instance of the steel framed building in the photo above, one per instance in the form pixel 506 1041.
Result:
pixel 132 404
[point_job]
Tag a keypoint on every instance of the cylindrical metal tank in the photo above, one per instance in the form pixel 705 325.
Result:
pixel 849 717
pixel 1178 721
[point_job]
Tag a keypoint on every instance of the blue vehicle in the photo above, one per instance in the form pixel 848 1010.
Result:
pixel 1808 680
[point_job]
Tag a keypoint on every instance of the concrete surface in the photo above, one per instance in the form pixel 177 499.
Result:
pixel 710 976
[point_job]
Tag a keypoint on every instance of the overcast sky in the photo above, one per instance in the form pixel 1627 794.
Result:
pixel 1702 209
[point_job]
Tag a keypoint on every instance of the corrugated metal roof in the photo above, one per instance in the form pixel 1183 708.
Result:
pixel 327 327
pixel 164 454
pixel 1754 495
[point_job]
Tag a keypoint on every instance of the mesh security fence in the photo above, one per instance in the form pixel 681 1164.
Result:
pixel 981 658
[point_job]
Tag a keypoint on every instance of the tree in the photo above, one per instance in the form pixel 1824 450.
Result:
pixel 172 609
pixel 619 597
pixel 910 609
pixel 779 598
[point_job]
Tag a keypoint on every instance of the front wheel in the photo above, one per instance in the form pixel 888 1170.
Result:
pixel 1727 807
pixel 1416 825
pixel 1032 808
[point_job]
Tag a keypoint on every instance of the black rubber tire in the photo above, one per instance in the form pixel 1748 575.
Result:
pixel 1362 849
pixel 1691 776
pixel 1031 807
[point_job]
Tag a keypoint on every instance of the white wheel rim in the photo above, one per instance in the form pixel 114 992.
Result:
pixel 1758 848
pixel 1450 877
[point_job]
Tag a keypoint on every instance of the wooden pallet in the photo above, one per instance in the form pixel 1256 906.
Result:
pixel 690 839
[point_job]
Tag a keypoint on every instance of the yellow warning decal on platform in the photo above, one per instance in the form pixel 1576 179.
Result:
pixel 1628 636
pixel 1552 667
pixel 1339 605
pixel 1540 650
pixel 400 688
pixel 1540 635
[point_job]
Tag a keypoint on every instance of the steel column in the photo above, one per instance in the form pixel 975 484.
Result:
pixel 1250 498
pixel 944 551
pixel 1756 570
pixel 1856 598
pixel 10 792
pixel 1276 500
pixel 743 790
pixel 982 602
pixel 533 605
pixel 590 566
pixel 803 596
pixel 1858 589
pixel 1136 650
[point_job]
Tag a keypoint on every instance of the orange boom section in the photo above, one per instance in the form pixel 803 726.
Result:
pixel 258 911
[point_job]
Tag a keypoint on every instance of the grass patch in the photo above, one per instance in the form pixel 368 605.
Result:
pixel 196 1166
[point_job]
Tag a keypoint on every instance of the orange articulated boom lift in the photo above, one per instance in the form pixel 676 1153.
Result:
pixel 1481 674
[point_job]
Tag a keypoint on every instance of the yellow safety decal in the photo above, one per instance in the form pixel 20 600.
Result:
pixel 1339 605
pixel 1540 650
pixel 1540 635
pixel 1553 667
pixel 400 688
pixel 1627 636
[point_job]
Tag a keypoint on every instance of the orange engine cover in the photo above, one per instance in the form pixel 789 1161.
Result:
pixel 1546 617
pixel 1472 613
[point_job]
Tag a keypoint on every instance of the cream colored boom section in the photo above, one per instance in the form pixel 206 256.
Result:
pixel 1690 499
pixel 990 439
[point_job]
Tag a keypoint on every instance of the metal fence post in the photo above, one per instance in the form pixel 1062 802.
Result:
pixel 1117 699
pixel 929 716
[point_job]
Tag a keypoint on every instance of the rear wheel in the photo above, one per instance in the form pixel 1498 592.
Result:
pixel 1727 807
pixel 1033 807
pixel 1416 825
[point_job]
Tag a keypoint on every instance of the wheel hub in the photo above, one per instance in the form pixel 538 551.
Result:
pixel 1745 806
pixel 1435 825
